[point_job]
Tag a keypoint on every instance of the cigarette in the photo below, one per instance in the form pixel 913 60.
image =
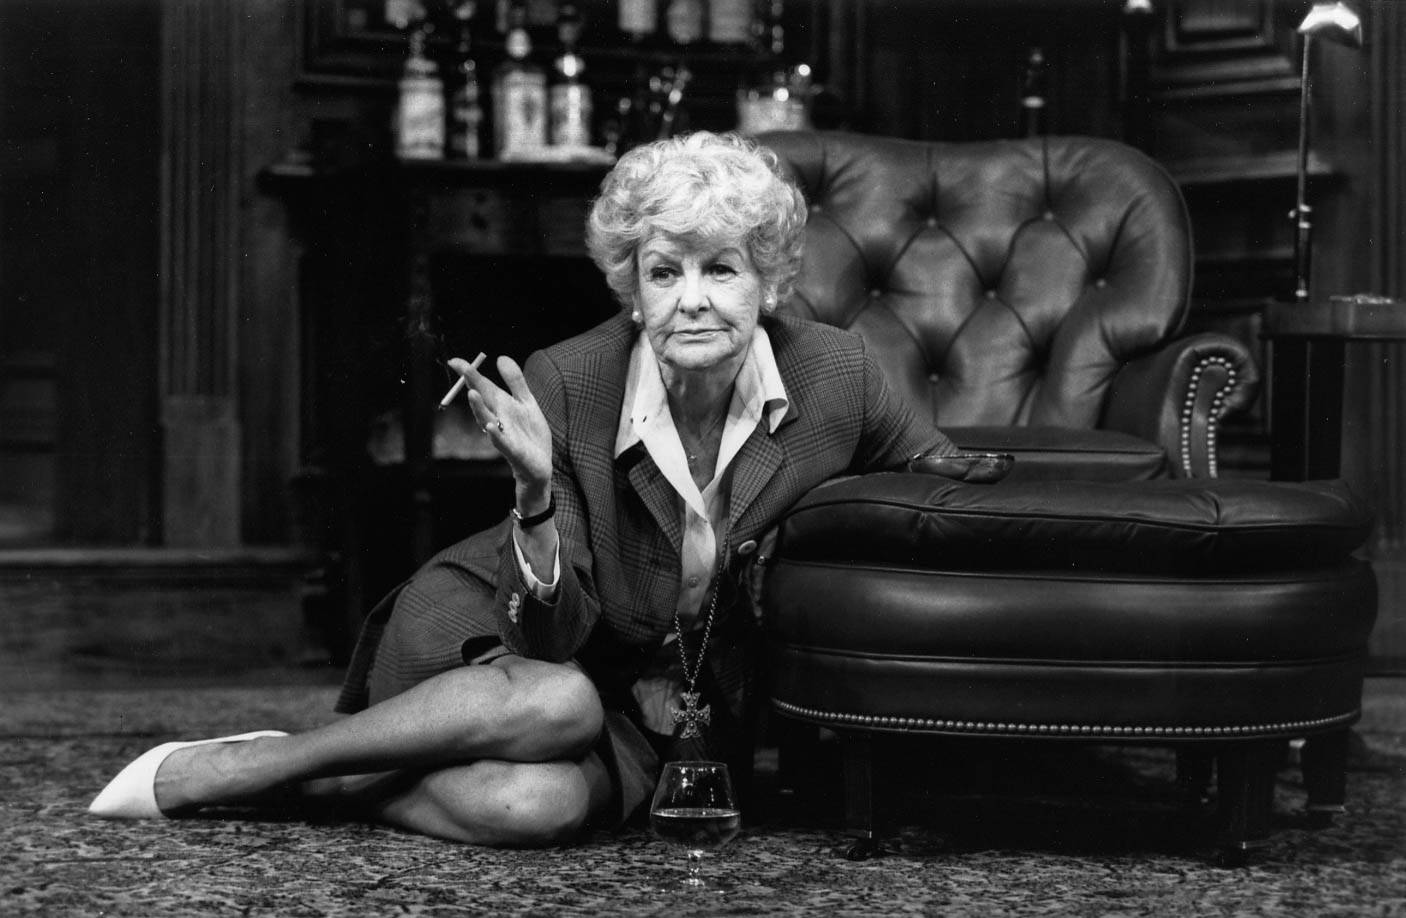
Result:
pixel 461 382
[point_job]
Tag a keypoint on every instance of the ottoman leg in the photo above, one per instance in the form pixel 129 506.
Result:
pixel 1323 760
pixel 798 754
pixel 1245 781
pixel 1194 768
pixel 857 749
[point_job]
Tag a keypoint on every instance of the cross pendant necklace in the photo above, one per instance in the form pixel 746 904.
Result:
pixel 694 716
pixel 691 715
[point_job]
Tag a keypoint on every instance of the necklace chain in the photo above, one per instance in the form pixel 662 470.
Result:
pixel 691 715
pixel 713 425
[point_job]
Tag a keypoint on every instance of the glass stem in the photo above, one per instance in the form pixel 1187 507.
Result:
pixel 695 867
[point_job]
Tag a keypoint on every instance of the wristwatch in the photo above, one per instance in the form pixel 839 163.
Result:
pixel 536 519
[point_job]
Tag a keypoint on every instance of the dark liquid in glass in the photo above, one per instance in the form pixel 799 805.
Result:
pixel 696 826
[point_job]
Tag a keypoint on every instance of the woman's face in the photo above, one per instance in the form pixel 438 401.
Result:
pixel 699 301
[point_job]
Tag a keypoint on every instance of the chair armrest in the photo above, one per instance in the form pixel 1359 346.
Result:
pixel 1177 396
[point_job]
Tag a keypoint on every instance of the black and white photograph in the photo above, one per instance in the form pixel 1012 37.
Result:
pixel 702 458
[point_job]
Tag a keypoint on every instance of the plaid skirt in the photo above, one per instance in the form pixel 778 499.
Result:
pixel 441 619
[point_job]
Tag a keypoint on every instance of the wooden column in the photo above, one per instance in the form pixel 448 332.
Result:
pixel 201 106
pixel 1377 372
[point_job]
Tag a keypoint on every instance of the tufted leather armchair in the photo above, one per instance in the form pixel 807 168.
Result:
pixel 1028 295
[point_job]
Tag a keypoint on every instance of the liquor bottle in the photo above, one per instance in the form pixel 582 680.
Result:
pixel 543 12
pixel 1032 94
pixel 638 19
pixel 684 21
pixel 465 107
pixel 779 96
pixel 773 27
pixel 570 95
pixel 673 85
pixel 419 112
pixel 519 96
pixel 730 22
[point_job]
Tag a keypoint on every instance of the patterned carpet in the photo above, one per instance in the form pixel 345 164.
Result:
pixel 1022 831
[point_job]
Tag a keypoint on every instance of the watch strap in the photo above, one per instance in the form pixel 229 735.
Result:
pixel 536 519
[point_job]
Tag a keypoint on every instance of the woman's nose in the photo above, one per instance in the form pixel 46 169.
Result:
pixel 693 296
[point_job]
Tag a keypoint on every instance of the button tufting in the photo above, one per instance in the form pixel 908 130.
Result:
pixel 934 378
pixel 875 293
pixel 991 294
pixel 1047 215
pixel 932 221
pixel 1101 283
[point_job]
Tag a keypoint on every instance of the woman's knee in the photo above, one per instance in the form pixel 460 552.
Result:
pixel 511 804
pixel 559 709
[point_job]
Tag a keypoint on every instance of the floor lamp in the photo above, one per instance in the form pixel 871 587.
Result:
pixel 1335 22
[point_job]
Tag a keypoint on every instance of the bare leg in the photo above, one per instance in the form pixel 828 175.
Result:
pixel 514 709
pixel 491 802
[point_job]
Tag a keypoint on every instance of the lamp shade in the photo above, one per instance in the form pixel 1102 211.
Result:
pixel 1335 22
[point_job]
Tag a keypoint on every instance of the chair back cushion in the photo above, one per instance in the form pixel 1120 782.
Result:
pixel 1003 283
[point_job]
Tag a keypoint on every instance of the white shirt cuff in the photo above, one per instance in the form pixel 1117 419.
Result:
pixel 543 592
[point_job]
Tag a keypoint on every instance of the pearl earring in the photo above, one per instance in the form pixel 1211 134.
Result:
pixel 635 317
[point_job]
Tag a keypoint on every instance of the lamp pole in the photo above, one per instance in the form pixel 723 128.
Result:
pixel 1336 22
pixel 1302 213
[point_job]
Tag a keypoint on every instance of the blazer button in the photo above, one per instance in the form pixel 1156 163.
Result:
pixel 746 548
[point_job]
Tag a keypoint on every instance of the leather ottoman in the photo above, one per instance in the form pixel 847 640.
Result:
pixel 1221 616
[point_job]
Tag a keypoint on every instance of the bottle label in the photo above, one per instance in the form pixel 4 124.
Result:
pixel 571 115
pixel 730 22
pixel 685 20
pixel 466 116
pixel 522 112
pixel 419 123
pixel 638 17
pixel 518 44
pixel 765 112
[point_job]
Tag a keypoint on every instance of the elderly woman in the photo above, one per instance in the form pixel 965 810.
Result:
pixel 528 681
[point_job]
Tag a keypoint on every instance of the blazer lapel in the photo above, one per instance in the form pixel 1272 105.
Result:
pixel 756 464
pixel 592 425
pixel 659 496
pixel 593 428
pixel 762 456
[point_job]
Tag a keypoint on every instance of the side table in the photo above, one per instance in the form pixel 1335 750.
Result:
pixel 1306 429
pixel 1306 383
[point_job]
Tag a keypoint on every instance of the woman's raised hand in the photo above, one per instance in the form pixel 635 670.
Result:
pixel 513 421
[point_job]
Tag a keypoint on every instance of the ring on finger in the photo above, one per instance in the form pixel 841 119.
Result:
pixel 500 425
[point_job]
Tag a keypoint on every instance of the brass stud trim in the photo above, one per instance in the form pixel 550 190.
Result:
pixel 1112 731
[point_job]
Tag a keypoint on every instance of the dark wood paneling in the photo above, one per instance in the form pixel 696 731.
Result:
pixel 148 613
pixel 1367 99
pixel 34 282
pixel 107 98
pixel 953 70
pixel 269 342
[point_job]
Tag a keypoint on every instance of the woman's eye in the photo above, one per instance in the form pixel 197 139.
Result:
pixel 660 273
pixel 722 270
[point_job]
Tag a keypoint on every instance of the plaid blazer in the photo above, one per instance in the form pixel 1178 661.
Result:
pixel 620 521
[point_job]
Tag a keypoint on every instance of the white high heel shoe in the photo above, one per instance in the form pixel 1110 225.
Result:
pixel 132 794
